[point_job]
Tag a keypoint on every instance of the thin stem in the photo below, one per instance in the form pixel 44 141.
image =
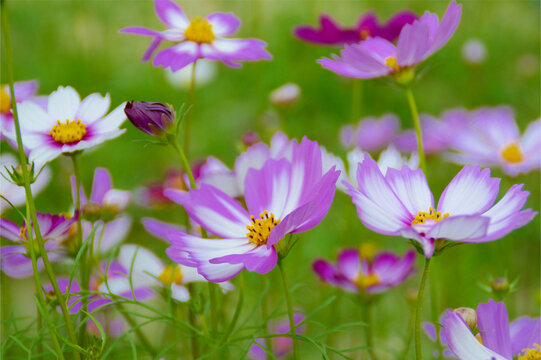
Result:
pixel 411 324
pixel 137 330
pixel 191 101
pixel 237 310
pixel 419 310
pixel 193 322
pixel 289 312
pixel 31 209
pixel 367 311
pixel 418 132
pixel 185 162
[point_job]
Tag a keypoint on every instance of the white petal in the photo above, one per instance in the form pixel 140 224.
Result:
pixel 64 103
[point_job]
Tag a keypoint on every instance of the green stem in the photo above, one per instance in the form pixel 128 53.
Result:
pixel 193 322
pixel 184 159
pixel 238 309
pixel 419 310
pixel 31 209
pixel 418 132
pixel 411 324
pixel 191 101
pixel 292 326
pixel 137 330
pixel 368 331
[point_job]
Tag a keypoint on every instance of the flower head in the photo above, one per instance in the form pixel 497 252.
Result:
pixel 283 197
pixel 198 38
pixel 153 119
pixel 401 204
pixel 491 137
pixel 281 346
pixel 330 33
pixel 16 261
pixel 378 57
pixel 67 125
pixel 371 133
pixel 363 271
pixel 285 95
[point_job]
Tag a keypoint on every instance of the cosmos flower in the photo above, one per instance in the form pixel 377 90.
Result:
pixel 68 125
pixel 283 197
pixel 285 95
pixel 14 193
pixel 104 208
pixel 371 133
pixel 198 38
pixel 378 57
pixel 499 339
pixel 364 271
pixel 401 204
pixel 330 33
pixel 152 193
pixel 149 270
pixel 281 346
pixel 492 138
pixel 16 261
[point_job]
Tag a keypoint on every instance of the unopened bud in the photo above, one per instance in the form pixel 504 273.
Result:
pixel 154 119
pixel 469 315
pixel 17 176
pixel 500 286
pixel 286 95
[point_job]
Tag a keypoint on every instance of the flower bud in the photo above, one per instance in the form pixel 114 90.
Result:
pixel 92 211
pixel 469 315
pixel 500 286
pixel 286 95
pixel 153 119
pixel 16 174
pixel 250 138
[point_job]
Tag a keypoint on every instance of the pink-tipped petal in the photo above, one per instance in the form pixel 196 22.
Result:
pixel 224 24
pixel 171 14
pixel 493 324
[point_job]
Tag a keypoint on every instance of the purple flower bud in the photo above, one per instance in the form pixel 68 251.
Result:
pixel 151 118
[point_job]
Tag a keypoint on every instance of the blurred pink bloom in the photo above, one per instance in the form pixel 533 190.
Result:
pixel 401 204
pixel 151 194
pixel 198 38
pixel 371 133
pixel 281 346
pixel 377 57
pixel 330 33
pixel 359 272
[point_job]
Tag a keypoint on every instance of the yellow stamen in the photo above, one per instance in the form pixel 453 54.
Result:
pixel 260 229
pixel 365 281
pixel 512 153
pixel 391 62
pixel 69 132
pixel 422 217
pixel 367 251
pixel 170 275
pixel 5 101
pixel 199 31
pixel 531 354
pixel 24 233
pixel 365 33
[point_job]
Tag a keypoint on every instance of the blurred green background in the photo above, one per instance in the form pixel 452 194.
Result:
pixel 77 43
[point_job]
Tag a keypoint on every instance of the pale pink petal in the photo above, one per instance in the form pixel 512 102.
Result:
pixel 223 24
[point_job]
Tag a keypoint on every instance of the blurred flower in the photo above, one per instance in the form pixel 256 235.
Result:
pixel 113 324
pixel 371 133
pixel 149 270
pixel 492 138
pixel 499 340
pixel 285 95
pixel 474 52
pixel 290 196
pixel 205 72
pixel 16 261
pixel 330 33
pixel 24 91
pixel 401 204
pixel 360 272
pixel 14 193
pixel 153 119
pixel 281 346
pixel 68 125
pixel 377 57
pixel 198 38
pixel 250 138
pixel 430 330
pixel 528 65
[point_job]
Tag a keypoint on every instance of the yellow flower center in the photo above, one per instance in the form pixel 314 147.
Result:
pixel 512 153
pixel 170 275
pixel 391 62
pixel 5 101
pixel 531 354
pixel 365 281
pixel 69 132
pixel 422 217
pixel 367 251
pixel 260 229
pixel 365 33
pixel 199 31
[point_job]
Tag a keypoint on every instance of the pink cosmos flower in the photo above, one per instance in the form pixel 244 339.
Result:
pixel 198 38
pixel 492 138
pixel 152 195
pixel 401 204
pixel 281 346
pixel 500 340
pixel 330 33
pixel 67 125
pixel 104 208
pixel 377 57
pixel 14 193
pixel 16 260
pixel 360 271
pixel 371 133
pixel 283 197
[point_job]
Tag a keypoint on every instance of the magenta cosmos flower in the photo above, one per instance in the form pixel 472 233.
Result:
pixel 362 271
pixel 499 339
pixel 492 138
pixel 401 204
pixel 67 125
pixel 377 57
pixel 371 133
pixel 281 346
pixel 198 38
pixel 16 261
pixel 283 197
pixel 331 33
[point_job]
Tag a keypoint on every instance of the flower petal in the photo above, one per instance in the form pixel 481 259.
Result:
pixel 411 188
pixel 161 229
pixel 466 228
pixel 171 14
pixel 260 259
pixel 101 184
pixel 177 56
pixel 93 107
pixel 64 104
pixel 493 324
pixel 223 24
